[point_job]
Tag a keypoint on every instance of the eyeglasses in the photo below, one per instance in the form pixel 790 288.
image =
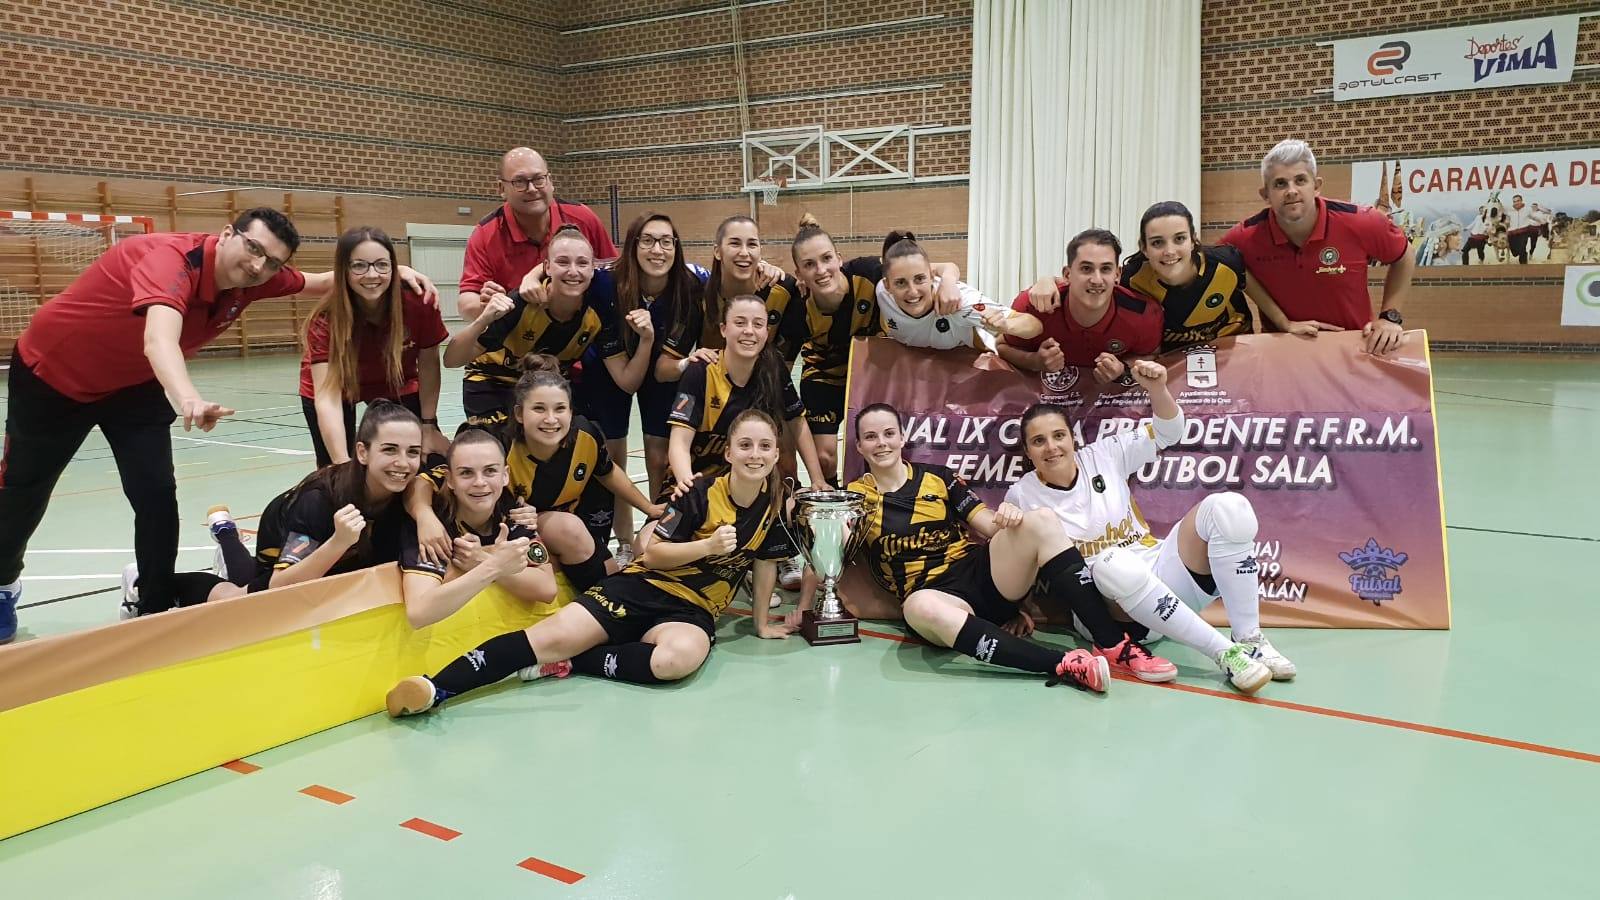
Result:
pixel 522 184
pixel 361 266
pixel 259 252
pixel 650 242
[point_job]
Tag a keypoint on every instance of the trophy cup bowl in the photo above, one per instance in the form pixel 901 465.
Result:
pixel 829 533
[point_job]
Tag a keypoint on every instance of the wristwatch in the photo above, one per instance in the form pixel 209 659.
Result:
pixel 1392 315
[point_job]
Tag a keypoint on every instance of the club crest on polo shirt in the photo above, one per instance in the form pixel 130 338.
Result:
pixel 1329 257
pixel 1115 345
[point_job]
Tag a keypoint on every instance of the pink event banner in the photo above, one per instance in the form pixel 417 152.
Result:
pixel 1335 449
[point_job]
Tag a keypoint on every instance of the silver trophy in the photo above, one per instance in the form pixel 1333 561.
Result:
pixel 830 533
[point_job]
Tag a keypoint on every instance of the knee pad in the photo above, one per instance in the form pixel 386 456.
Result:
pixel 1226 517
pixel 1124 578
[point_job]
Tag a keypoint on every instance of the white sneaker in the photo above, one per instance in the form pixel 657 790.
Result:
pixel 130 594
pixel 557 669
pixel 1261 649
pixel 1247 673
pixel 624 555
pixel 789 576
pixel 218 518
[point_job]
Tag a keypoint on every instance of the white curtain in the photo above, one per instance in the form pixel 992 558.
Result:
pixel 1084 112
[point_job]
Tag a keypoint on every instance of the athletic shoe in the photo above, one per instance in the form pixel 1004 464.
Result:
pixel 624 555
pixel 411 696
pixel 219 519
pixel 1246 673
pixel 130 592
pixel 1131 658
pixel 556 669
pixel 789 574
pixel 1086 669
pixel 8 613
pixel 1260 648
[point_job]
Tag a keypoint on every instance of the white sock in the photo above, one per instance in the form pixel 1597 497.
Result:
pixel 14 588
pixel 1128 581
pixel 1227 524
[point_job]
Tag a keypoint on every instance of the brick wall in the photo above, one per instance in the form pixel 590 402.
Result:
pixel 1265 78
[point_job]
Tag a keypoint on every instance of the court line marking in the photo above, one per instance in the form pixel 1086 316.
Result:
pixel 337 798
pixel 1327 712
pixel 550 870
pixel 69 597
pixel 113 550
pixel 1532 534
pixel 423 826
pixel 279 450
pixel 240 766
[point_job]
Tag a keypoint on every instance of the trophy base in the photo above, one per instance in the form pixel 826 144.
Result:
pixel 845 629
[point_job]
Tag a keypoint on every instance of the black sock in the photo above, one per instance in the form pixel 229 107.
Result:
pixel 588 573
pixel 193 588
pixel 1204 581
pixel 240 565
pixel 1059 580
pixel 491 661
pixel 622 662
pixel 987 642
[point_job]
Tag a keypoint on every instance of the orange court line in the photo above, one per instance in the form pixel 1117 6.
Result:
pixel 240 766
pixel 423 826
pixel 1324 711
pixel 337 798
pixel 550 870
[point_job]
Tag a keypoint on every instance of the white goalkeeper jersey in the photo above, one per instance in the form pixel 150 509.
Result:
pixel 963 328
pixel 1098 511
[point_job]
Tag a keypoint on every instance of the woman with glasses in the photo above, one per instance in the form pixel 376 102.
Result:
pixel 370 337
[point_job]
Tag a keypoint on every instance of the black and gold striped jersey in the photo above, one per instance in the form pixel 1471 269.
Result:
pixel 1205 309
pixel 556 483
pixel 701 332
pixel 824 337
pixel 915 533
pixel 710 582
pixel 411 560
pixel 531 329
pixel 708 401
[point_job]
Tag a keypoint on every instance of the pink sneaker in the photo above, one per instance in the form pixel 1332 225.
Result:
pixel 1086 669
pixel 548 670
pixel 1131 658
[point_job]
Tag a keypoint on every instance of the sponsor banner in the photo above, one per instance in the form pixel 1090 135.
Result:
pixel 1498 54
pixel 1580 297
pixel 1333 447
pixel 1538 207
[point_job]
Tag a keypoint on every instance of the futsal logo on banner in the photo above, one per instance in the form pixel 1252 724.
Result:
pixel 1377 571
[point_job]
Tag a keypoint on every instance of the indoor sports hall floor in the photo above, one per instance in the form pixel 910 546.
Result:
pixel 1400 764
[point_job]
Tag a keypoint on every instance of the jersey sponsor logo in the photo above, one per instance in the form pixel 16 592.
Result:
pixel 476 659
pixel 1376 578
pixel 716 402
pixel 669 520
pixel 297 548
pixel 1166 606
pixel 682 405
pixel 894 325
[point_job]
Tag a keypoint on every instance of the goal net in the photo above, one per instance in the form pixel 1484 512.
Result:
pixel 41 253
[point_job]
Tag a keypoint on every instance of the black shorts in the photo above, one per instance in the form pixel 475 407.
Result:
pixel 597 510
pixel 600 401
pixel 969 578
pixel 627 606
pixel 486 403
pixel 655 402
pixel 824 406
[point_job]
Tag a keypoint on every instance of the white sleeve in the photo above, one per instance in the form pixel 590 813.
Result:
pixel 1130 451
pixel 1167 431
pixel 971 296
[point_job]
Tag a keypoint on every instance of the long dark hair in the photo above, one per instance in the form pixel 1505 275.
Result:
pixel 713 306
pixel 769 372
pixel 1161 210
pixel 683 289
pixel 338 310
pixel 346 482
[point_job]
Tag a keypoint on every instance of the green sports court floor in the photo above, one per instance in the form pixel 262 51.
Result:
pixel 1400 764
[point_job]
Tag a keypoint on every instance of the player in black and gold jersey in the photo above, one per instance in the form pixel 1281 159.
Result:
pixel 490 547
pixel 953 592
pixel 656 621
pixel 557 463
pixel 574 314
pixel 841 303
pixel 737 270
pixel 1201 289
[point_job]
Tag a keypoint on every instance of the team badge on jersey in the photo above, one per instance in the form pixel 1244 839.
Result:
pixel 580 471
pixel 1098 483
pixel 1214 301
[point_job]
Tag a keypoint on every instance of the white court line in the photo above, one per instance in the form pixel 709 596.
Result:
pixel 240 412
pixel 116 550
pixel 115 577
pixel 278 450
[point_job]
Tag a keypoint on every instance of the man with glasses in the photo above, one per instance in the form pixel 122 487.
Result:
pixel 109 351
pixel 510 241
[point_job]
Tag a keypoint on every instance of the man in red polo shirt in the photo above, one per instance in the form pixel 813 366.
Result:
pixel 1311 254
pixel 510 241
pixel 109 351
pixel 1101 324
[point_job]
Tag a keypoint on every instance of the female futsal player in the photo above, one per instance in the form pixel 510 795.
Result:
pixel 1161 584
pixel 656 621
pixel 953 592
pixel 737 270
pixel 338 519
pixel 489 547
pixel 557 464
pixel 910 290
pixel 370 337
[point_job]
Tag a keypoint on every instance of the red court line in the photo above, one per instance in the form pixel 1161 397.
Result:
pixel 337 798
pixel 1324 711
pixel 550 870
pixel 240 766
pixel 423 826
